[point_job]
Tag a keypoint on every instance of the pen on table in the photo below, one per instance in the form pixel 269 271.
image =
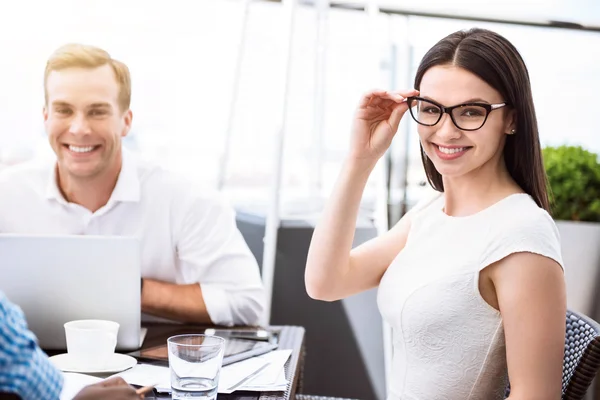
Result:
pixel 144 390
pixel 247 378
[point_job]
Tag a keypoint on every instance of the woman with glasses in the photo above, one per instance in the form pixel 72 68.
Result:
pixel 471 281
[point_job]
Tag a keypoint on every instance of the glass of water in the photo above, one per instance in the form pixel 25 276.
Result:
pixel 195 363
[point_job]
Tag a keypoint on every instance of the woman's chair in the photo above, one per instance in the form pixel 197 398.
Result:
pixel 582 355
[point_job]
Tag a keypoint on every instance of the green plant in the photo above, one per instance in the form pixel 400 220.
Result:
pixel 574 178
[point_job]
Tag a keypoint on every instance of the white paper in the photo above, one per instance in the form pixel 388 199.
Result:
pixel 234 374
pixel 274 374
pixel 270 378
pixel 148 375
pixel 281 388
pixel 279 384
pixel 74 382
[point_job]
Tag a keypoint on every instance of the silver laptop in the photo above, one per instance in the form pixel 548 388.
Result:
pixel 55 279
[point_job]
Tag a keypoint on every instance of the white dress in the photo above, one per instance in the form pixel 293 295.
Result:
pixel 448 342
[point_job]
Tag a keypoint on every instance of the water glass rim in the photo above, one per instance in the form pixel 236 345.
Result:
pixel 173 340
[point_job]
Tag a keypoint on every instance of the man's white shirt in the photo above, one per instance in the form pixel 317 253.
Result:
pixel 187 234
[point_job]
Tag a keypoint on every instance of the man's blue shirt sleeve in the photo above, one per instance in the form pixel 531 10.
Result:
pixel 24 368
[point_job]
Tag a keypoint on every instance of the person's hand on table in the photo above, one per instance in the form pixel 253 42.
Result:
pixel 110 389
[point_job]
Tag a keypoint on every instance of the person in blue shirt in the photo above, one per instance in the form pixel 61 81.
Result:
pixel 26 371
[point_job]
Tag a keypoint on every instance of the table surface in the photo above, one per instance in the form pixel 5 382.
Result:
pixel 290 337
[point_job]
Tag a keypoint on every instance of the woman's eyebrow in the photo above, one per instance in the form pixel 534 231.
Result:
pixel 476 100
pixel 472 100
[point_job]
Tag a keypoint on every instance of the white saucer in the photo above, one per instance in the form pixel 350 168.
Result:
pixel 116 363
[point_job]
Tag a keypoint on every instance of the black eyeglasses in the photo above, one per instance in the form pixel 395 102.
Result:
pixel 466 117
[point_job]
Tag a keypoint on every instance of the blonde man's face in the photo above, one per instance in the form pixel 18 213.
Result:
pixel 83 120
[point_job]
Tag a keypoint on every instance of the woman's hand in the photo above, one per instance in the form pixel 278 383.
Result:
pixel 110 389
pixel 376 121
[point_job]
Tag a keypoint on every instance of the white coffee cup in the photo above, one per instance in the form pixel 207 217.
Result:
pixel 91 342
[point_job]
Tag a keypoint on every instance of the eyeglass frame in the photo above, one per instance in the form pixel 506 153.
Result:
pixel 448 110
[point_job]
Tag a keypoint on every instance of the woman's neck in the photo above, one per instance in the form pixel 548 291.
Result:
pixel 477 190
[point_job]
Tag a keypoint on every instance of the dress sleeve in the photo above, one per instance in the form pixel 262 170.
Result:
pixel 535 233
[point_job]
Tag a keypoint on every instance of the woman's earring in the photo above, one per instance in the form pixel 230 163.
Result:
pixel 512 132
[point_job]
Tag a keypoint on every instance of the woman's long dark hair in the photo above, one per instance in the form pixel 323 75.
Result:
pixel 495 60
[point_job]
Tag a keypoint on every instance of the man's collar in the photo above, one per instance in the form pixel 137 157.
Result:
pixel 52 190
pixel 127 188
pixel 128 183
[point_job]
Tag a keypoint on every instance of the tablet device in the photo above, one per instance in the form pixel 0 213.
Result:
pixel 236 349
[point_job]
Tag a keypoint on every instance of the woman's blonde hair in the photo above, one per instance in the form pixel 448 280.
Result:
pixel 85 56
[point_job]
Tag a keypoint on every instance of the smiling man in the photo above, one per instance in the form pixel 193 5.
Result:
pixel 196 267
